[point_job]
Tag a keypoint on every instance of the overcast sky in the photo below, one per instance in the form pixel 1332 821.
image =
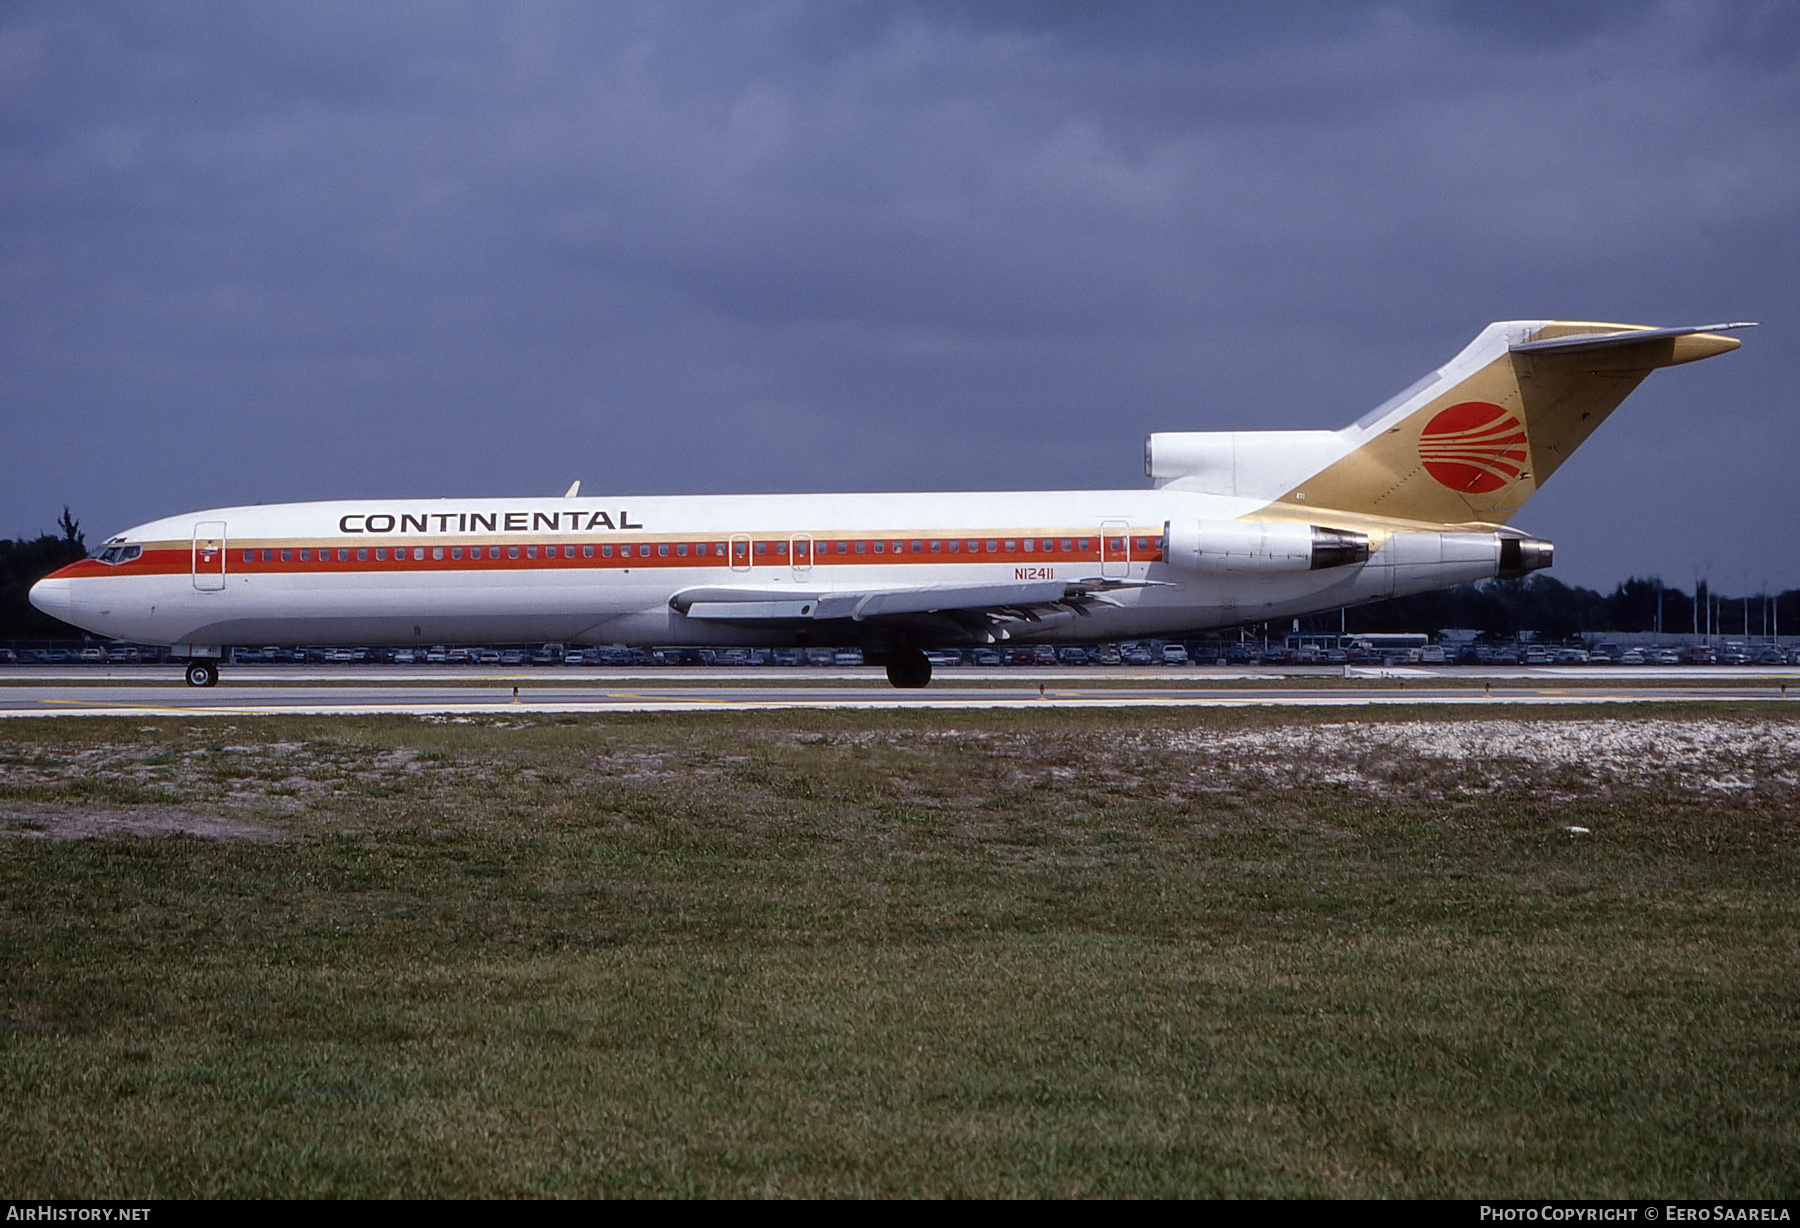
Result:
pixel 259 253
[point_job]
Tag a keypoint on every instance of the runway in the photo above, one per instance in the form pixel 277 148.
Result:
pixel 273 690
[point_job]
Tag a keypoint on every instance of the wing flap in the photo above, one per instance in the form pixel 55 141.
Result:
pixel 862 605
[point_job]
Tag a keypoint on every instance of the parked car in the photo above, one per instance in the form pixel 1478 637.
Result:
pixel 944 656
pixel 985 656
pixel 1073 656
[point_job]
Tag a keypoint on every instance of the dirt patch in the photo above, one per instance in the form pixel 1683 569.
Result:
pixel 89 824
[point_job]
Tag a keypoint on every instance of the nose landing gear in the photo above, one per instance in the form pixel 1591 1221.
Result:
pixel 202 673
pixel 908 668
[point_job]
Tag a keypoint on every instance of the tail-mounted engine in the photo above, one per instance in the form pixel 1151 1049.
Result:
pixel 1248 545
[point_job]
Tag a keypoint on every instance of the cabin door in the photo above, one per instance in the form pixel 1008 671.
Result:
pixel 209 555
pixel 740 552
pixel 1115 549
pixel 800 548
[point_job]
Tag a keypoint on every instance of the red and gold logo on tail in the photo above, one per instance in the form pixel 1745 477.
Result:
pixel 1474 447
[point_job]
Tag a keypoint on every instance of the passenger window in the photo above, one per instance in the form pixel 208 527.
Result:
pixel 437 552
pixel 381 555
pixel 1030 544
pixel 1067 545
pixel 862 547
pixel 843 547
pixel 993 547
pixel 362 554
pixel 918 546
pixel 1084 545
pixel 680 550
pixel 781 549
pixel 937 547
pixel 662 549
pixel 762 547
pixel 249 556
pixel 644 550
pixel 306 556
pixel 587 551
pixel 512 552
pixel 1011 545
pixel 268 556
pixel 974 547
pixel 455 552
pixel 568 552
pixel 880 547
pixel 956 547
pixel 606 552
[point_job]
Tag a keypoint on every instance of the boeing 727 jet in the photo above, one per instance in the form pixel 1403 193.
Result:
pixel 1241 526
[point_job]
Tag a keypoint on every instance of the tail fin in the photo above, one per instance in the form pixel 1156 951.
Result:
pixel 1476 438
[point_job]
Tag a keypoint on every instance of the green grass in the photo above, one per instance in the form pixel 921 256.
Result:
pixel 1029 953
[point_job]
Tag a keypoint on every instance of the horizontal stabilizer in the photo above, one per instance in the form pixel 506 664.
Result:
pixel 1602 341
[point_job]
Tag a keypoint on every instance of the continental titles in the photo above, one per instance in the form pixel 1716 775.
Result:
pixel 485 522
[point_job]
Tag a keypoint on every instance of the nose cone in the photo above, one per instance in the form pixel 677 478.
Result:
pixel 52 597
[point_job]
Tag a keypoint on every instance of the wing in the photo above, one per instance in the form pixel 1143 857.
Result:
pixel 979 611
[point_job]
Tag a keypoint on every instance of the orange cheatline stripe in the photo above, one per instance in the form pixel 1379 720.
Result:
pixel 177 558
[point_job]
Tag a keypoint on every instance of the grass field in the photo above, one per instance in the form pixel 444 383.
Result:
pixel 1223 952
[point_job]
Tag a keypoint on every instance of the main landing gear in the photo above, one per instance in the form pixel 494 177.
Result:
pixel 202 673
pixel 908 668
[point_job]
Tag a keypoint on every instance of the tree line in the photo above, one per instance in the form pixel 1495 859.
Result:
pixel 23 562
pixel 1558 611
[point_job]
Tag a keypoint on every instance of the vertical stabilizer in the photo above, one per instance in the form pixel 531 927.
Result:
pixel 1474 440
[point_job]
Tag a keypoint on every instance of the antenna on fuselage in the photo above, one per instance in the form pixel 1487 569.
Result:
pixel 574 489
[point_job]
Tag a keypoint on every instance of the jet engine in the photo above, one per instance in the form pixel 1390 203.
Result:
pixel 1265 546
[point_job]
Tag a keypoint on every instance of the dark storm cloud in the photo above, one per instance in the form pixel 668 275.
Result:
pixel 261 253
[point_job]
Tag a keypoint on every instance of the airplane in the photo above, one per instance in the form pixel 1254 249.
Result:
pixel 1237 527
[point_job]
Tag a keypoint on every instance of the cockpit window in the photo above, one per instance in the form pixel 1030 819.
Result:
pixel 120 554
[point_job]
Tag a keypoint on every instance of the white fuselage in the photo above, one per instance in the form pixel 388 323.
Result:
pixel 609 570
